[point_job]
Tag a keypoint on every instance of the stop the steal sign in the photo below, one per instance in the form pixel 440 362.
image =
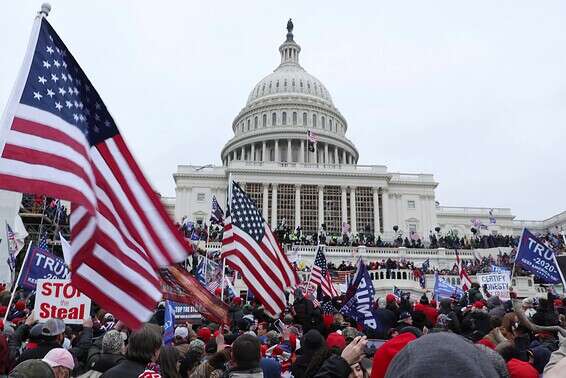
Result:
pixel 59 299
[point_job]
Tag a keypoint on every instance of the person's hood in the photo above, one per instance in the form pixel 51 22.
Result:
pixel 541 356
pixel 493 302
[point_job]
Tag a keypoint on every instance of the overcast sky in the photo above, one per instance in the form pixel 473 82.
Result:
pixel 474 92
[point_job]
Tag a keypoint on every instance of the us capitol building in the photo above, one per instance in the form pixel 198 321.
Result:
pixel 269 156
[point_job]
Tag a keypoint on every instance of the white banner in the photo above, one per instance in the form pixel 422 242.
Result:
pixel 497 283
pixel 59 299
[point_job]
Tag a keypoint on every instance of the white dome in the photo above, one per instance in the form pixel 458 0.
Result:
pixel 290 79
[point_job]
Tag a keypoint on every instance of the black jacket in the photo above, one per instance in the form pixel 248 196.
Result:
pixel 104 361
pixel 39 352
pixel 334 367
pixel 125 369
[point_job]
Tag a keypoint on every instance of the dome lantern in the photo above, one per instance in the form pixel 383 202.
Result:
pixel 289 49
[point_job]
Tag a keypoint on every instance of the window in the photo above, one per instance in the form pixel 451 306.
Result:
pixel 330 124
pixel 248 125
pixel 286 203
pixel 304 119
pixel 314 120
pixel 309 208
pixel 284 118
pixel 200 197
pixel 273 119
pixel 264 120
pixel 333 209
pixel 294 118
pixel 255 122
pixel 411 204
pixel 255 191
pixel 364 209
pixel 323 122
pixel 412 228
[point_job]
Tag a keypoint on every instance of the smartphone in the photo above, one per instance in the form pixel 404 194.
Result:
pixel 373 345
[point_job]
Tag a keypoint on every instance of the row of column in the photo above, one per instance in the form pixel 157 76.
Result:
pixel 322 153
pixel 344 207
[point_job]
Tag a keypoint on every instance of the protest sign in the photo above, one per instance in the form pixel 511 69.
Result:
pixel 42 264
pixel 497 283
pixel 534 256
pixel 359 299
pixel 59 299
pixel 185 313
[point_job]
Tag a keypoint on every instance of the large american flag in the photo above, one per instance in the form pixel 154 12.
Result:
pixel 320 275
pixel 465 281
pixel 58 139
pixel 216 214
pixel 250 248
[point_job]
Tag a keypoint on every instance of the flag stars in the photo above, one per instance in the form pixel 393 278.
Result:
pixel 56 63
pixel 64 77
pixel 64 64
pixel 46 64
pixel 69 104
pixel 107 123
pixel 62 91
pixel 50 50
pixel 58 106
pixel 42 79
pixel 50 93
pixel 54 77
pixel 37 95
pixel 75 117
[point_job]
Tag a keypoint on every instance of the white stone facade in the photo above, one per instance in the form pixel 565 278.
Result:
pixel 269 156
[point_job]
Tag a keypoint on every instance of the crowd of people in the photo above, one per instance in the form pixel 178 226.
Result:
pixel 475 336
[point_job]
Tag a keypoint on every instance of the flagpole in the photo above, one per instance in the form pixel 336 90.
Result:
pixel 229 202
pixel 42 215
pixel 15 284
pixel 223 276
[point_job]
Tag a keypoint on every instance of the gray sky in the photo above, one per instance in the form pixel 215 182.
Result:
pixel 474 93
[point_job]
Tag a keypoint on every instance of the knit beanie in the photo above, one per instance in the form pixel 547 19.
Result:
pixel 112 342
pixel 439 355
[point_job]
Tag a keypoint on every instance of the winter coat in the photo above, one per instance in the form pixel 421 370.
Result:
pixel 104 361
pixel 125 369
pixel 334 367
pixel 303 309
pixel 249 373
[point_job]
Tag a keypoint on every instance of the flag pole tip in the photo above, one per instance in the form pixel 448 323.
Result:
pixel 45 9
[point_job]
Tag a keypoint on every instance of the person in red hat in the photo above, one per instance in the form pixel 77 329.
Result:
pixel 336 340
pixel 204 334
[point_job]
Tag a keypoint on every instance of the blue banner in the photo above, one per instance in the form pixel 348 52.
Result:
pixel 498 269
pixel 444 289
pixel 359 299
pixel 169 324
pixel 42 264
pixel 533 255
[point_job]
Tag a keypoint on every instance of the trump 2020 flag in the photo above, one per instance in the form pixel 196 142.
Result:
pixel 444 289
pixel 533 255
pixel 169 323
pixel 57 138
pixel 359 299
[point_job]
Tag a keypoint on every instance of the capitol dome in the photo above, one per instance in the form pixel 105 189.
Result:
pixel 281 109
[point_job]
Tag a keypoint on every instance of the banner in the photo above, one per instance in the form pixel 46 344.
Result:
pixel 185 313
pixel 59 299
pixel 359 299
pixel 180 286
pixel 498 269
pixel 533 255
pixel 168 323
pixel 42 264
pixel 497 283
pixel 444 289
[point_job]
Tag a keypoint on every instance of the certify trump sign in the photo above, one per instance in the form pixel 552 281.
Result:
pixel 59 299
pixel 536 257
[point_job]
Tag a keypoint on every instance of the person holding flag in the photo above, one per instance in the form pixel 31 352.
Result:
pixel 320 275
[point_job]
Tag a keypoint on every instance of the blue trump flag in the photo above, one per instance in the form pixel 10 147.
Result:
pixel 444 289
pixel 169 324
pixel 533 255
pixel 358 303
pixel 41 264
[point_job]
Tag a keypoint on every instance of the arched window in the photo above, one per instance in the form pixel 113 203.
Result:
pixel 308 87
pixel 330 124
pixel 314 120
pixel 323 122
pixel 304 119
pixel 301 83
pixel 248 124
pixel 294 118
pixel 273 119
pixel 264 120
pixel 277 84
pixel 255 122
pixel 284 118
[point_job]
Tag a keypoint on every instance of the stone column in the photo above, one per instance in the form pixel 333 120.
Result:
pixel 353 209
pixel 344 205
pixel 375 211
pixel 302 152
pixel 265 201
pixel 326 153
pixel 385 208
pixel 252 157
pixel 276 154
pixel 335 155
pixel 263 151
pixel 320 205
pixel 273 206
pixel 289 151
pixel 297 205
pixel 343 156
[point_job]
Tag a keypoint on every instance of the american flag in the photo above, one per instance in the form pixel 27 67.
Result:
pixel 312 138
pixel 320 274
pixel 58 139
pixel 42 243
pixel 216 215
pixel 250 248
pixel 12 247
pixel 465 281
